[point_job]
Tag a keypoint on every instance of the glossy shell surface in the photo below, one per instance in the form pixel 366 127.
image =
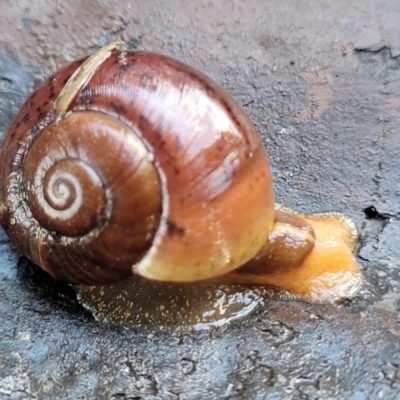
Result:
pixel 214 204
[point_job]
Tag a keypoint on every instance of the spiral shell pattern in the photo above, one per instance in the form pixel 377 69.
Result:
pixel 84 179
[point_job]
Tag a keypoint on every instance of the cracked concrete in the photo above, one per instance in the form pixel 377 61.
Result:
pixel 322 83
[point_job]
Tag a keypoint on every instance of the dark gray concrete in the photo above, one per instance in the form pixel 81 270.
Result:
pixel 322 83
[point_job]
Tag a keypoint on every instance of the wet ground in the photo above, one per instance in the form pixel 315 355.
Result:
pixel 322 84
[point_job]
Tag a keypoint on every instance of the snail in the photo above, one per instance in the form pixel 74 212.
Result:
pixel 130 162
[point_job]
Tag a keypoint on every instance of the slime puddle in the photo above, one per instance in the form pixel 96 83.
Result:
pixel 139 303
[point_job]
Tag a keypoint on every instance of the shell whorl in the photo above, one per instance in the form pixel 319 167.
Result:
pixel 58 190
pixel 94 196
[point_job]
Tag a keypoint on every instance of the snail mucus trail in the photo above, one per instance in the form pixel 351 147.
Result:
pixel 142 182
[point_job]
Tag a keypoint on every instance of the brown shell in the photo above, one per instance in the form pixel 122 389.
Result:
pixel 211 209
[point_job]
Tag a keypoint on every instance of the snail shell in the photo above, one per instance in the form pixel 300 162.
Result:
pixel 153 169
pixel 132 162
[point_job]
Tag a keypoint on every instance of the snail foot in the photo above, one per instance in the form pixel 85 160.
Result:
pixel 327 275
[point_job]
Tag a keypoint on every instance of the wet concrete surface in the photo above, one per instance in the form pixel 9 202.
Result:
pixel 322 84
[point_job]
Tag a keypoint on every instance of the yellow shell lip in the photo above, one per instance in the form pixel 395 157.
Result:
pixel 226 231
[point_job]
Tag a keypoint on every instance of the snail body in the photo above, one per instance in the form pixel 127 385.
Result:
pixel 132 162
